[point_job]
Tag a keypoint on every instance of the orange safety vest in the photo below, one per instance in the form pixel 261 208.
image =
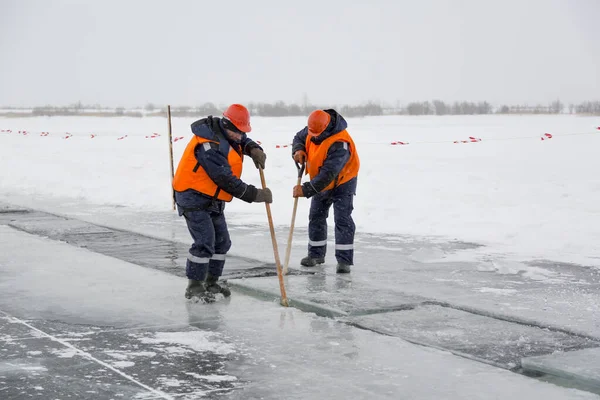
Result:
pixel 316 154
pixel 190 175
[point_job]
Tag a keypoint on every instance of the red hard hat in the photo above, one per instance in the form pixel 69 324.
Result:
pixel 239 116
pixel 317 122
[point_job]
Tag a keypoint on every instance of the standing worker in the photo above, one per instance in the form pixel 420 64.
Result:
pixel 332 164
pixel 208 175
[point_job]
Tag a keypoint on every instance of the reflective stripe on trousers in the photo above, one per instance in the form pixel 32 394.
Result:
pixel 211 242
pixel 344 225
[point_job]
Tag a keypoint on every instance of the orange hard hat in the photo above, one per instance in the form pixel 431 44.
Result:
pixel 317 122
pixel 239 116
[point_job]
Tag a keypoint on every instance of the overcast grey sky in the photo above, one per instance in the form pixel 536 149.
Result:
pixel 123 53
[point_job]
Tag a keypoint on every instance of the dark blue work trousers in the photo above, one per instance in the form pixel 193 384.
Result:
pixel 211 243
pixel 341 198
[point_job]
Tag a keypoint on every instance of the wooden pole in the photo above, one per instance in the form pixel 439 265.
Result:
pixel 288 251
pixel 171 155
pixel 284 300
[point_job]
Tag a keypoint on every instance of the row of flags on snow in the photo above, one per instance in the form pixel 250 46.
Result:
pixel 470 139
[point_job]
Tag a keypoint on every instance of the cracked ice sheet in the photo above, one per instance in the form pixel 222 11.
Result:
pixel 276 350
pixel 156 349
pixel 548 293
pixel 566 294
pixel 582 365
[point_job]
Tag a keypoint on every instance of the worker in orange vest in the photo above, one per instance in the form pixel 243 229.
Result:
pixel 332 163
pixel 209 175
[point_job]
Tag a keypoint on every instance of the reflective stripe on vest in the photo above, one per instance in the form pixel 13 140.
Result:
pixel 317 153
pixel 190 175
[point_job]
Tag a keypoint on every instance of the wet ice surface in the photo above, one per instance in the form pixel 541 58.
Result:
pixel 387 264
pixel 581 364
pixel 489 340
pixel 181 360
pixel 130 317
pixel 477 334
pixel 144 250
pixel 571 305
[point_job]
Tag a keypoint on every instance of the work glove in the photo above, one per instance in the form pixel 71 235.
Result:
pixel 263 196
pixel 297 192
pixel 300 156
pixel 259 157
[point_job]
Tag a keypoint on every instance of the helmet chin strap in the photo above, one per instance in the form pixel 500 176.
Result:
pixel 233 136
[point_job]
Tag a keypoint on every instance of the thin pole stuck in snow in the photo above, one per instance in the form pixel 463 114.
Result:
pixel 171 156
pixel 284 300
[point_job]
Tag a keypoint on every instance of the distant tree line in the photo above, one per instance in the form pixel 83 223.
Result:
pixel 438 107
pixel 78 109
pixel 277 109
pixel 587 107
pixel 435 107
pixel 282 109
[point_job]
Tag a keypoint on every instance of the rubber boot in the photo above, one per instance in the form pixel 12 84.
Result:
pixel 213 287
pixel 198 290
pixel 309 261
pixel 342 268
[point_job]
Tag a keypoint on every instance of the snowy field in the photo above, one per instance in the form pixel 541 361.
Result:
pixel 522 197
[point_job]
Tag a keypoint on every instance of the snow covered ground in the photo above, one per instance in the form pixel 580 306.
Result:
pixel 522 197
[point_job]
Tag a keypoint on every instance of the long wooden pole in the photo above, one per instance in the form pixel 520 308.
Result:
pixel 171 155
pixel 288 251
pixel 284 300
